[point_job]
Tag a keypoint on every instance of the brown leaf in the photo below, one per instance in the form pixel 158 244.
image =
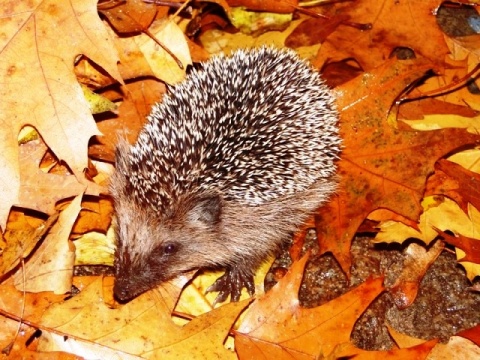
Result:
pixel 20 345
pixel 312 31
pixel 96 215
pixel 468 181
pixel 39 87
pixel 129 16
pixel 140 55
pixel 381 166
pixel 29 308
pixel 139 98
pixel 266 5
pixel 469 245
pixel 393 24
pixel 419 109
pixel 50 268
pixel 277 327
pixel 416 264
pixel 21 236
pixel 41 190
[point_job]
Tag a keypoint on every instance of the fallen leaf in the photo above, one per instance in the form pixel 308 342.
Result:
pixel 21 236
pixel 129 327
pixel 162 64
pixel 416 263
pixel 381 166
pixel 277 327
pixel 472 334
pixel 129 16
pixel 468 181
pixel 469 245
pixel 456 348
pixel 137 104
pixel 441 213
pixel 405 24
pixel 417 352
pixel 50 268
pixel 41 190
pixel 37 57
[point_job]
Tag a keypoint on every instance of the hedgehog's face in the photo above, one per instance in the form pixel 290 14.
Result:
pixel 152 248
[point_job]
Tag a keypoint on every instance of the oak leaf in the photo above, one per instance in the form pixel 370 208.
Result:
pixel 41 190
pixel 381 166
pixel 36 62
pixel 470 246
pixel 394 24
pixel 440 213
pixel 143 326
pixel 277 327
pixel 50 268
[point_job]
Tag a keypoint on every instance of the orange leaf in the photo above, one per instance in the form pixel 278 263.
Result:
pixel 129 16
pixel 417 352
pixel 470 246
pixel 277 327
pixel 472 334
pixel 394 24
pixel 468 181
pixel 381 166
pixel 40 190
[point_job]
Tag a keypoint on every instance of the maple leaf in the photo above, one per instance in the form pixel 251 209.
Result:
pixel 381 166
pixel 39 87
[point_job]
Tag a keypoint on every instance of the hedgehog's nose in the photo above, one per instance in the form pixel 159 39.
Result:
pixel 121 291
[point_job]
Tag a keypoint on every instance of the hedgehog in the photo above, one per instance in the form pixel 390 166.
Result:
pixel 228 166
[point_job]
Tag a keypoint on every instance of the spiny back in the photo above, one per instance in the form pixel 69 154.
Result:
pixel 257 125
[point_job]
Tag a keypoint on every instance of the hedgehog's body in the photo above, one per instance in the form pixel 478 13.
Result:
pixel 229 164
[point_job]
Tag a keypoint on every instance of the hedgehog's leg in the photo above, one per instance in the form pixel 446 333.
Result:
pixel 232 283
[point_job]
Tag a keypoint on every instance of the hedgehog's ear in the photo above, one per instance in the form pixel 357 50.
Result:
pixel 206 210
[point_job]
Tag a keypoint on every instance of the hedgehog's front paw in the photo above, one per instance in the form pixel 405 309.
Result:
pixel 232 283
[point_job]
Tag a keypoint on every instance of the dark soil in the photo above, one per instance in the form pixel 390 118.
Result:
pixel 444 306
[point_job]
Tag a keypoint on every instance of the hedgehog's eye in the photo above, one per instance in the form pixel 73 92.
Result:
pixel 169 249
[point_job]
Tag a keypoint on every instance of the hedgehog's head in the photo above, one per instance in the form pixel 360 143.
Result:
pixel 154 246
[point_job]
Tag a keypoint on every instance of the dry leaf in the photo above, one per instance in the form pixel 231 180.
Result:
pixel 416 264
pixel 440 213
pixel 50 268
pixel 469 245
pixel 21 236
pixel 129 327
pixel 37 71
pixel 137 104
pixel 381 166
pixel 393 24
pixel 41 190
pixel 277 327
